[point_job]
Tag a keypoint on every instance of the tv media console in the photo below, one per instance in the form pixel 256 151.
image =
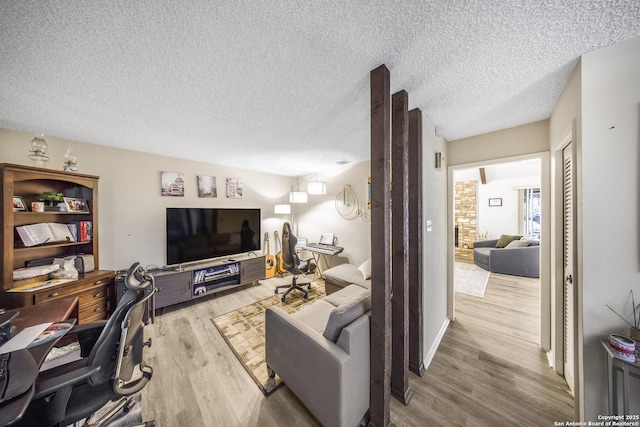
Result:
pixel 198 280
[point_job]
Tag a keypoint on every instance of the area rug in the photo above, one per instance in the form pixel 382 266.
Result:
pixel 470 279
pixel 243 330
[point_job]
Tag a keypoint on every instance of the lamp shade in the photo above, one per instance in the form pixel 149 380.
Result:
pixel 282 209
pixel 317 187
pixel 298 197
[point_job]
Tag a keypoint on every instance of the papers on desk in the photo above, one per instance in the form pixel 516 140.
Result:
pixel 53 332
pixel 31 272
pixel 36 335
pixel 36 286
pixel 24 338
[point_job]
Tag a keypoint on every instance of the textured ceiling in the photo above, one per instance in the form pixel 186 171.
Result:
pixel 283 86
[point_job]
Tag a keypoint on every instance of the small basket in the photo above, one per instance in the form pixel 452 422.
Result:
pixel 623 347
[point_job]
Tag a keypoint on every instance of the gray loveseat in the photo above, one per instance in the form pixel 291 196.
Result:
pixel 322 354
pixel 518 261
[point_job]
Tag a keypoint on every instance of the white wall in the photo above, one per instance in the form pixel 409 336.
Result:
pixel 319 215
pixel 610 206
pixel 499 220
pixel 513 142
pixel 131 209
pixel 435 269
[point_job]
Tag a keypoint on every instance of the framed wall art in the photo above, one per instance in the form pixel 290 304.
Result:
pixel 234 188
pixel 207 186
pixel 172 184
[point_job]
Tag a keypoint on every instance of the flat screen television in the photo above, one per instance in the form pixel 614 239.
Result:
pixel 195 234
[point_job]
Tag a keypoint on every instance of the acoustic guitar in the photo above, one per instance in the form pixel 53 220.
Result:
pixel 270 267
pixel 279 262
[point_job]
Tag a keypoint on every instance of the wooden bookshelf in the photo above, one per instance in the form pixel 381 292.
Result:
pixel 94 289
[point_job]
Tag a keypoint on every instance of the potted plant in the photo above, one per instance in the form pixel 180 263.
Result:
pixel 51 199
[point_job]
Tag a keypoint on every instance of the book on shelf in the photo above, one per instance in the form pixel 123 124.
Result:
pixel 73 228
pixel 85 232
pixel 82 231
pixel 45 232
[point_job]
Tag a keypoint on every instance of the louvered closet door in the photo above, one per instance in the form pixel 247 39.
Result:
pixel 569 292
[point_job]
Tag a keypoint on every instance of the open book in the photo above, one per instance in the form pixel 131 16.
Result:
pixel 46 232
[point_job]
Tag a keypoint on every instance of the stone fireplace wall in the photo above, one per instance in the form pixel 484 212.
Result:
pixel 465 218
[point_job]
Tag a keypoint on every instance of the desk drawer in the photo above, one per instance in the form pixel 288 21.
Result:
pixel 97 310
pixel 95 296
pixel 61 292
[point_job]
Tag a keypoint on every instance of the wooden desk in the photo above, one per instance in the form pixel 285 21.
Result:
pixel 51 311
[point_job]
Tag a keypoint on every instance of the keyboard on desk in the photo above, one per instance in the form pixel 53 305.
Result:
pixel 323 248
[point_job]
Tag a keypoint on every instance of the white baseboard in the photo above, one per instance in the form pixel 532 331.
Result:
pixel 436 343
pixel 550 359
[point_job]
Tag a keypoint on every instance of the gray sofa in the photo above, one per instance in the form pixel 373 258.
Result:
pixel 517 261
pixel 322 354
pixel 343 275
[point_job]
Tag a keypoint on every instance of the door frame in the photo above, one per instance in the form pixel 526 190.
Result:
pixel 568 136
pixel 545 245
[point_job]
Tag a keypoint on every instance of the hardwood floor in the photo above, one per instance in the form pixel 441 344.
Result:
pixel 489 370
pixel 480 376
pixel 198 381
pixel 511 305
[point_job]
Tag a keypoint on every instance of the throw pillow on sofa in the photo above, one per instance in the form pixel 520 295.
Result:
pixel 518 244
pixel 346 313
pixel 505 239
pixel 365 269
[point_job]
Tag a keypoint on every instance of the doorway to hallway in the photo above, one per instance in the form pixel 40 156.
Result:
pixel 491 200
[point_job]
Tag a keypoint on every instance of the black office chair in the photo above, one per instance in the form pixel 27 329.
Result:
pixel 291 262
pixel 111 368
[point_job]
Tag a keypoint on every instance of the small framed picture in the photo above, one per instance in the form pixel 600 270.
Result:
pixel 76 205
pixel 234 188
pixel 18 204
pixel 495 202
pixel 172 184
pixel 207 186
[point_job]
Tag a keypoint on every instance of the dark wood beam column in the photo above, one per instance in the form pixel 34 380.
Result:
pixel 416 320
pixel 380 247
pixel 399 248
